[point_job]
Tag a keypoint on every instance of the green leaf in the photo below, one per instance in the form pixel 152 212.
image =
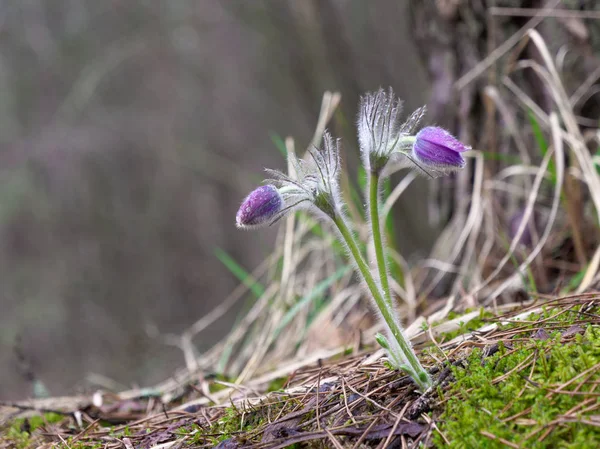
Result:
pixel 279 143
pixel 317 292
pixel 245 278
pixel 542 143
pixel 383 342
pixel 508 158
pixel 575 280
pixel 317 229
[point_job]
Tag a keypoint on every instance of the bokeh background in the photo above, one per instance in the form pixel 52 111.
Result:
pixel 129 133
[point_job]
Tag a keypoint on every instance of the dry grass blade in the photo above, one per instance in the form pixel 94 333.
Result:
pixel 528 211
pixel 458 232
pixel 396 193
pixel 504 47
pixel 590 272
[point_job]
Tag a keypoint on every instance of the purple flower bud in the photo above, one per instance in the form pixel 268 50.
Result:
pixel 436 148
pixel 259 208
pixel 515 222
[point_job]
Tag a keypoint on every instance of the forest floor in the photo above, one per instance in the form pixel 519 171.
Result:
pixel 527 378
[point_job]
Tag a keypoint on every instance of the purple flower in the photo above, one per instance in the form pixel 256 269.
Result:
pixel 437 149
pixel 259 208
pixel 532 224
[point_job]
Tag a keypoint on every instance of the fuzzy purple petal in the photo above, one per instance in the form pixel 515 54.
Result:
pixel 436 147
pixel 259 207
pixel 439 136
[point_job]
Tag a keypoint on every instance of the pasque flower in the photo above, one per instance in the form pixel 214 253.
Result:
pixel 313 185
pixel 380 131
pixel 436 150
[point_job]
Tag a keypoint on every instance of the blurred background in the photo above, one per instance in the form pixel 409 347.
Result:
pixel 130 132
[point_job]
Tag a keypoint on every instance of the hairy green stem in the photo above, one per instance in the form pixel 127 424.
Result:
pixel 377 240
pixel 420 376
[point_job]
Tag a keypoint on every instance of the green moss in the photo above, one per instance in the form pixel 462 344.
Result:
pixel 19 433
pixel 277 384
pixel 215 385
pixel 230 425
pixel 73 443
pixel 513 394
pixel 233 422
pixel 469 326
pixel 16 438
pixel 243 426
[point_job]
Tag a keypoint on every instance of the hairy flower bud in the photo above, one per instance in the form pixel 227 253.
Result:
pixel 435 148
pixel 515 221
pixel 380 131
pixel 259 208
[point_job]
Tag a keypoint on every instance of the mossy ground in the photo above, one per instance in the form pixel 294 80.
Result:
pixel 529 383
pixel 539 390
pixel 22 433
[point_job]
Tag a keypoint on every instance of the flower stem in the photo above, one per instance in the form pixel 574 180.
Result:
pixel 377 241
pixel 420 376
